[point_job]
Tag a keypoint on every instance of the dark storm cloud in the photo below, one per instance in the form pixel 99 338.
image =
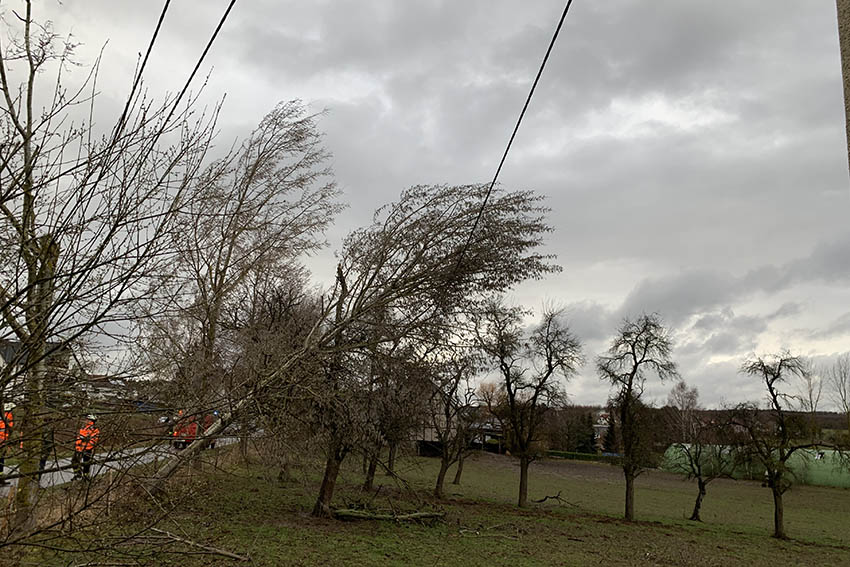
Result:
pixel 699 144
pixel 681 295
pixel 678 188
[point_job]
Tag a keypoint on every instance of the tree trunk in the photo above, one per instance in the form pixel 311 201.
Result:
pixel 391 458
pixel 43 266
pixel 523 482
pixel 326 491
pixel 441 478
pixel 630 495
pixel 26 490
pixel 243 448
pixel 778 514
pixel 459 469
pixel 176 460
pixel 698 504
pixel 370 473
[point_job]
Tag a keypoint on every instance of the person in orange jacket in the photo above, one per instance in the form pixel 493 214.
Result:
pixel 87 440
pixel 6 423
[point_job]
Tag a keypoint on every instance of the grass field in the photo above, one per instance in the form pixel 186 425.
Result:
pixel 247 512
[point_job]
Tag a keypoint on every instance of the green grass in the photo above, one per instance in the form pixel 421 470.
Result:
pixel 245 513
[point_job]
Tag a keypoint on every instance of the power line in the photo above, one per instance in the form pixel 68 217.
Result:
pixel 201 59
pixel 513 135
pixel 138 77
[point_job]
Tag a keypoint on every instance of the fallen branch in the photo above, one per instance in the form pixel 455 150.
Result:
pixel 364 515
pixel 207 548
pixel 477 533
pixel 556 497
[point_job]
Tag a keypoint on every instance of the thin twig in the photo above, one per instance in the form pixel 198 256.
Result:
pixel 207 548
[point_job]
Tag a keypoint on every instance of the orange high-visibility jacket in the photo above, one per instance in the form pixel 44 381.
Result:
pixel 87 438
pixel 5 426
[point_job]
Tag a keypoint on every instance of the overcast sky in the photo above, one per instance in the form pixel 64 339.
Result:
pixel 692 153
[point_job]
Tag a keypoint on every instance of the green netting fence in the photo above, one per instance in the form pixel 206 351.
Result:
pixel 809 466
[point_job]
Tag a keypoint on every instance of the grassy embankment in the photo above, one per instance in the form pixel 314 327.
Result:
pixel 248 512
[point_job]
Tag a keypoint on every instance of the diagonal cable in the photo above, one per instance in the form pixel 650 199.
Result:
pixel 513 135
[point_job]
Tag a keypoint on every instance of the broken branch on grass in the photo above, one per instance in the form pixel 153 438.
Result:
pixel 207 548
pixel 477 533
pixel 556 497
pixel 364 515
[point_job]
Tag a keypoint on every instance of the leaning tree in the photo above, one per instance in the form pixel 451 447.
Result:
pixel 415 266
pixel 417 262
pixel 247 220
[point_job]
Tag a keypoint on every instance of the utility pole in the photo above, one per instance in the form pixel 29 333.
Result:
pixel 844 41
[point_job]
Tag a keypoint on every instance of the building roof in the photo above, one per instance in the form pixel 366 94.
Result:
pixel 58 355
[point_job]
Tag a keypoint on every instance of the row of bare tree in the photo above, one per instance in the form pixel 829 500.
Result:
pixel 747 440
pixel 143 253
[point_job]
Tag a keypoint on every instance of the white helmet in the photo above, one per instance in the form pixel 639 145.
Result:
pixel 8 406
pixel 91 417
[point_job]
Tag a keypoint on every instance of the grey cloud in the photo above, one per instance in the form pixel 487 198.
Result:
pixel 684 294
pixel 679 296
pixel 788 309
pixel 713 210
pixel 723 332
pixel 729 342
pixel 456 75
pixel 836 328
pixel 590 321
pixel 713 320
pixel 828 262
pixel 720 383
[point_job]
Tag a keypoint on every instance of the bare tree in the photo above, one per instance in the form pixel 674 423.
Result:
pixel 449 404
pixel 686 402
pixel 810 385
pixel 639 348
pixel 776 433
pixel 397 399
pixel 406 265
pixel 84 217
pixel 530 367
pixel 250 214
pixel 838 378
pixel 704 451
pixel 267 322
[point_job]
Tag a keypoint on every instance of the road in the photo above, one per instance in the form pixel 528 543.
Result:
pixel 103 463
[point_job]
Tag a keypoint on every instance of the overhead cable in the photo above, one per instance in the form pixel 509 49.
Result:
pixel 513 135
